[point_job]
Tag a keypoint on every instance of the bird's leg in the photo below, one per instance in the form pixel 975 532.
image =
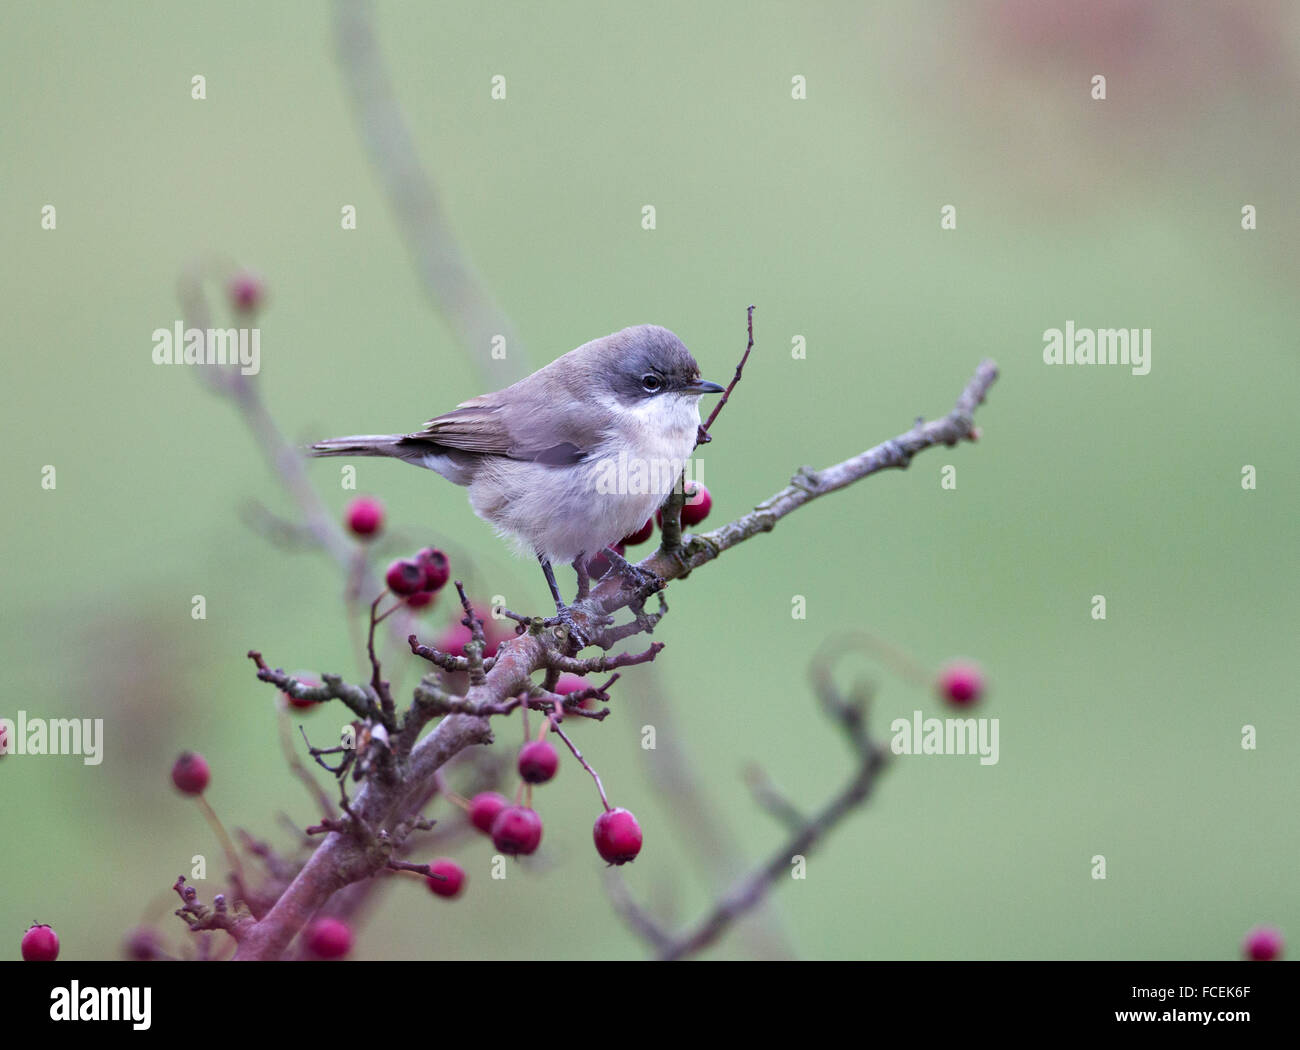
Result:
pixel 643 581
pixel 550 580
pixel 563 614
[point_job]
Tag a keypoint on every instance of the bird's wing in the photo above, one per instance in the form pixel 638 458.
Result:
pixel 482 425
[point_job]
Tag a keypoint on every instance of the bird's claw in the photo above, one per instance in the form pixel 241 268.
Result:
pixel 643 581
pixel 564 618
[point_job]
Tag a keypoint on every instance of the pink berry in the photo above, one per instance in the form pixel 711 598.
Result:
pixel 437 571
pixel 961 684
pixel 142 944
pixel 190 773
pixel 641 535
pixel 1263 944
pixel 365 516
pixel 698 504
pixel 572 683
pixel 40 944
pixel 538 761
pixel 517 830
pixel 454 639
pixel 404 577
pixel 483 809
pixel 617 836
pixel 598 565
pixel 329 938
pixel 452 881
pixel 246 291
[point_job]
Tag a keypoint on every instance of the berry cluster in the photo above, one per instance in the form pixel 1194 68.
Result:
pixel 418 580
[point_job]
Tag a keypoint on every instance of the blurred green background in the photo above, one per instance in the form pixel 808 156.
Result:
pixel 1119 738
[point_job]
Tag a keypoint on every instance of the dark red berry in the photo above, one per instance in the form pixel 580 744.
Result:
pixel 293 702
pixel 437 570
pixel 517 830
pixel 404 577
pixel 598 565
pixel 329 938
pixel 420 600
pixel 483 809
pixel 617 836
pixel 538 761
pixel 641 535
pixel 452 881
pixel 698 504
pixel 365 516
pixel 40 944
pixel 190 773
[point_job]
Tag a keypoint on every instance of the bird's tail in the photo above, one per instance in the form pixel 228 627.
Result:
pixel 361 445
pixel 453 464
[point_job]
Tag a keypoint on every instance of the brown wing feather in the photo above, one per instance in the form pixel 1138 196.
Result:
pixel 474 427
pixel 479 425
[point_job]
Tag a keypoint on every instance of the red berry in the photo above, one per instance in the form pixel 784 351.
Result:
pixel 617 836
pixel 538 761
pixel 437 570
pixel 517 830
pixel 404 577
pixel 365 516
pixel 420 600
pixel 598 565
pixel 1263 944
pixel 329 938
pixel 961 684
pixel 190 773
pixel 641 535
pixel 246 291
pixel 452 882
pixel 696 508
pixel 483 809
pixel 40 944
pixel 293 702
pixel 698 504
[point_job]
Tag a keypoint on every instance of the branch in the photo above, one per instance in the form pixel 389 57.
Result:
pixel 747 892
pixel 448 279
pixel 334 688
pixel 808 484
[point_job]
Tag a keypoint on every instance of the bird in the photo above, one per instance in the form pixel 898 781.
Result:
pixel 569 460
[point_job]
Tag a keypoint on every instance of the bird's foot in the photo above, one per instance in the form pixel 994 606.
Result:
pixel 643 581
pixel 577 634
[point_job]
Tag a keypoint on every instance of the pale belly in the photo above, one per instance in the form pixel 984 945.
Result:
pixel 561 512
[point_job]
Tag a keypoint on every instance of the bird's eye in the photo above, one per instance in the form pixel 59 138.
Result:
pixel 652 382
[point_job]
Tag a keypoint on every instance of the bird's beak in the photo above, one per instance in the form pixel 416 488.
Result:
pixel 703 386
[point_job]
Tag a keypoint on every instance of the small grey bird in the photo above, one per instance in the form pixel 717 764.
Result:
pixel 571 459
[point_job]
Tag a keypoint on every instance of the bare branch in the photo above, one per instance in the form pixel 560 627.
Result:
pixel 450 281
pixel 748 891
